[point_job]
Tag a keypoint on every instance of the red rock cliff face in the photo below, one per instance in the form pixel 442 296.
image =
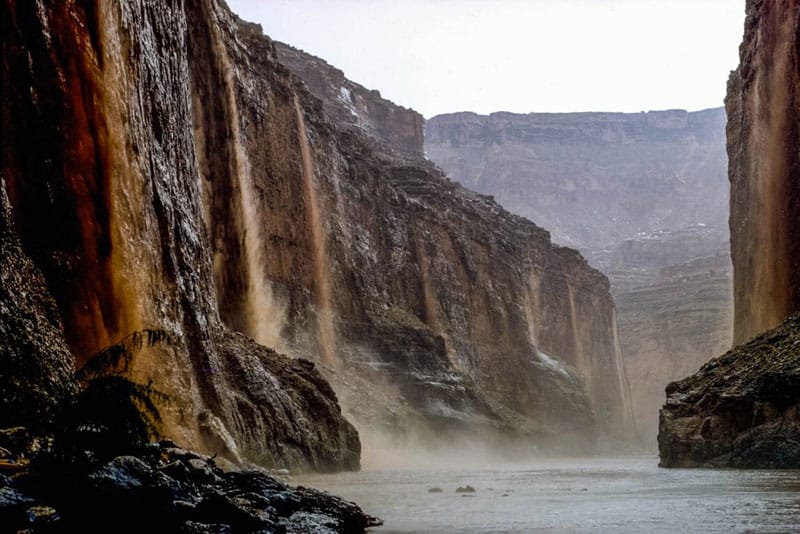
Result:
pixel 177 176
pixel 103 169
pixel 763 106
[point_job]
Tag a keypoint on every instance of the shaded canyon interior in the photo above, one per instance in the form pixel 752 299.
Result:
pixel 328 288
pixel 164 170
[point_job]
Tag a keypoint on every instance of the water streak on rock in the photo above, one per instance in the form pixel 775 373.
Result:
pixel 326 334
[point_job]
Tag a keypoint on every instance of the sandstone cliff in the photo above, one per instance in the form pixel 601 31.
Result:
pixel 166 171
pixel 642 195
pixel 504 307
pixel 763 106
pixel 741 409
pixel 103 169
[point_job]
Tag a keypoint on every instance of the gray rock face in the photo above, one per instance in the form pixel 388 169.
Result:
pixel 642 195
pixel 740 410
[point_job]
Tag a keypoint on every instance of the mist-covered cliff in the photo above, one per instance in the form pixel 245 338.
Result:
pixel 505 307
pixel 165 170
pixel 742 409
pixel 642 195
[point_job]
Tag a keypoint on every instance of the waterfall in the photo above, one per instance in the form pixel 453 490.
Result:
pixel 326 335
pixel 622 377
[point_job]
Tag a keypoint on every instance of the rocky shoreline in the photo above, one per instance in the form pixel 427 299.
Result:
pixel 161 488
pixel 740 410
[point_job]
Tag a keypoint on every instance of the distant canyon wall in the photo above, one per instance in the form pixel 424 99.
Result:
pixel 593 179
pixel 642 195
pixel 763 106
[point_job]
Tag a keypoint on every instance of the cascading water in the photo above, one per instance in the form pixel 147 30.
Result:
pixel 265 314
pixel 622 377
pixel 580 359
pixel 326 335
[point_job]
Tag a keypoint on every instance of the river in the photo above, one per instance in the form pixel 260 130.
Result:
pixel 575 495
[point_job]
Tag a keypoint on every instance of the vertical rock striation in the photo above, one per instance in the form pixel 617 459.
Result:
pixel 741 409
pixel 642 195
pixel 764 150
pixel 106 176
pixel 516 315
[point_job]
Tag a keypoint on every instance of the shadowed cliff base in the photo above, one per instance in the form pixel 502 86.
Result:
pixel 740 410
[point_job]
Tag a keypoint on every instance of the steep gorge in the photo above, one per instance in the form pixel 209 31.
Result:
pixel 165 170
pixel 490 285
pixel 642 195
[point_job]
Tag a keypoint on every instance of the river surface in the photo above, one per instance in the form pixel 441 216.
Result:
pixel 587 495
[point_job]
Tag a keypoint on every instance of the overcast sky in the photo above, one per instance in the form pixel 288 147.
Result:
pixel 440 56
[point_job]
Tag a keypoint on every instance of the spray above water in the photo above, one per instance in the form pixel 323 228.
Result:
pixel 326 335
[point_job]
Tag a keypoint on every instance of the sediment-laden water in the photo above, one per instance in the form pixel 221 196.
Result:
pixel 576 495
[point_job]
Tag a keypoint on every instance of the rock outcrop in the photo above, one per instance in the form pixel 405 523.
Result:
pixel 164 488
pixel 741 410
pixel 763 106
pixel 642 195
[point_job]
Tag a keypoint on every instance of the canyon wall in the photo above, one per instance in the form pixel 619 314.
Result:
pixel 349 104
pixel 508 311
pixel 593 179
pixel 102 165
pixel 166 171
pixel 764 150
pixel 642 195
pixel 741 409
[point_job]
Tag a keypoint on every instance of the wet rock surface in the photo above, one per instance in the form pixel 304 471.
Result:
pixel 741 409
pixel 434 273
pixel 105 187
pixel 36 364
pixel 763 106
pixel 167 489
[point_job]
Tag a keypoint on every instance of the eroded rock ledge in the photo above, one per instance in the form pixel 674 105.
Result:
pixel 740 410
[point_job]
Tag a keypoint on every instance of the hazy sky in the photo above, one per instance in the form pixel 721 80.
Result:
pixel 439 56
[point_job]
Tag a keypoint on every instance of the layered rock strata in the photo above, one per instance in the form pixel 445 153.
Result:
pixel 642 195
pixel 593 179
